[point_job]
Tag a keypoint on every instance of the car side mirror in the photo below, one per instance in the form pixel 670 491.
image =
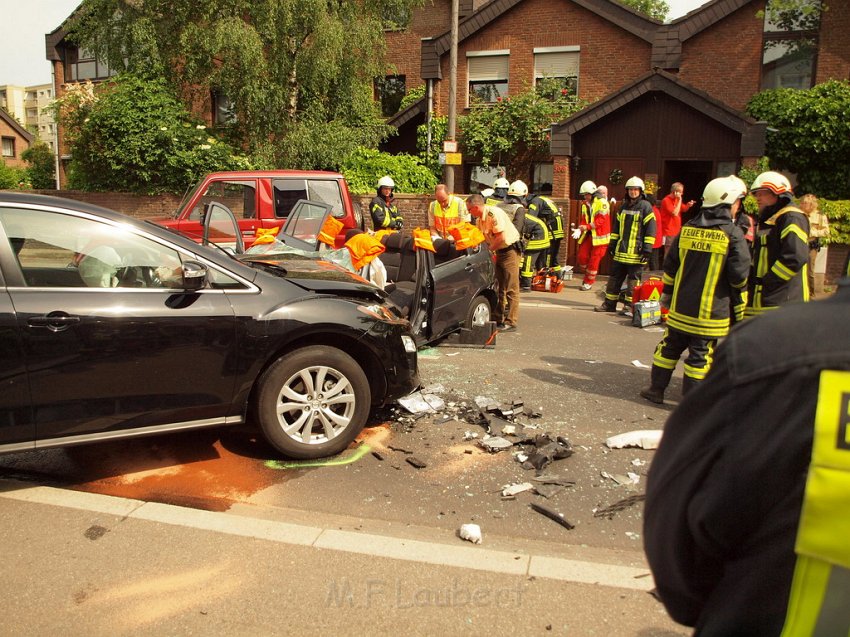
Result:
pixel 194 276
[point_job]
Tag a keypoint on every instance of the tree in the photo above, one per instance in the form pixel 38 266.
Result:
pixel 41 161
pixel 133 135
pixel 809 135
pixel 657 9
pixel 514 131
pixel 299 72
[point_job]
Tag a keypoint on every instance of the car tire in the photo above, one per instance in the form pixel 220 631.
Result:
pixel 303 421
pixel 479 312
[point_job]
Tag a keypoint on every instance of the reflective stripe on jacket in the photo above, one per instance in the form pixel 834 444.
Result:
pixel 820 589
pixel 633 231
pixel 451 215
pixel 780 261
pixel 707 262
pixel 536 232
pixel 546 209
pixel 383 213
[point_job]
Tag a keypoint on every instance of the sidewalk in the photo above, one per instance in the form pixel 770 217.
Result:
pixel 78 563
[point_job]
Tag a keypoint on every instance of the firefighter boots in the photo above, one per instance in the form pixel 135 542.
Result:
pixel 606 307
pixel 653 394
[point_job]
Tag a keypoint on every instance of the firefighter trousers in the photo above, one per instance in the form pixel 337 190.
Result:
pixel 670 349
pixel 628 272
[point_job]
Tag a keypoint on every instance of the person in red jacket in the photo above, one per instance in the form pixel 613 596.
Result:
pixel 672 208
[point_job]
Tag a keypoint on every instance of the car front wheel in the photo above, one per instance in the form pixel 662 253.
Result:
pixel 313 402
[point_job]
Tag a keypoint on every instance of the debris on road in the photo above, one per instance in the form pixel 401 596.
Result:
pixel 518 487
pixel 552 515
pixel 643 438
pixel 619 478
pixel 420 402
pixel 546 450
pixel 637 363
pixel 495 444
pixel 377 455
pixel 621 505
pixel 471 533
pixel 416 462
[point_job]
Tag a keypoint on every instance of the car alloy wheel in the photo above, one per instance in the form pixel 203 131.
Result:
pixel 313 402
pixel 479 312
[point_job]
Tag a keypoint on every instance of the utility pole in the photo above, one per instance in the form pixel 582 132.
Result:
pixel 449 170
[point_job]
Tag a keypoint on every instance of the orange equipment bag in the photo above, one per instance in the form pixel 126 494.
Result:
pixel 545 282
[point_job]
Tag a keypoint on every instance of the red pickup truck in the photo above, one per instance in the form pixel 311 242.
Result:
pixel 264 199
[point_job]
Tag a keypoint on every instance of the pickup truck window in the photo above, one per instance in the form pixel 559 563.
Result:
pixel 288 191
pixel 239 196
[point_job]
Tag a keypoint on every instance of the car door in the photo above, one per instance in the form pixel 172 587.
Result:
pixel 110 339
pixel 303 225
pixel 17 429
pixel 456 280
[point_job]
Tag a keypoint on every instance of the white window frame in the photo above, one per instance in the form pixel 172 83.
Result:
pixel 557 62
pixel 494 69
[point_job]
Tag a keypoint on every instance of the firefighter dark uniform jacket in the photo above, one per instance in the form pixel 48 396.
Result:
pixel 706 263
pixel 633 231
pixel 516 211
pixel 385 213
pixel 738 503
pixel 547 210
pixel 536 233
pixel 598 219
pixel 780 259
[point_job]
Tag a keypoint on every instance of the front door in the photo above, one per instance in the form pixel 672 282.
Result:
pixel 110 340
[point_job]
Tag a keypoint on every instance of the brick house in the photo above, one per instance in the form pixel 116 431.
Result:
pixel 15 140
pixel 667 98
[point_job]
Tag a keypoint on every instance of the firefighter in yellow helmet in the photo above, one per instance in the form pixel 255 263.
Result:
pixel 781 249
pixel 746 525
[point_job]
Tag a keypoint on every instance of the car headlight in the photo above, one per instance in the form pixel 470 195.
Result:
pixel 409 344
pixel 380 313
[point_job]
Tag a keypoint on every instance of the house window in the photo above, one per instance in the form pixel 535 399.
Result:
pixel 81 64
pixel 790 48
pixel 389 91
pixel 8 147
pixel 488 76
pixel 483 177
pixel 556 71
pixel 542 177
pixel 224 111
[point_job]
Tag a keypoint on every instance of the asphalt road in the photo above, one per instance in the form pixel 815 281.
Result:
pixel 418 476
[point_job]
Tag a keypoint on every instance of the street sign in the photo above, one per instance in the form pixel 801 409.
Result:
pixel 454 159
pixel 449 147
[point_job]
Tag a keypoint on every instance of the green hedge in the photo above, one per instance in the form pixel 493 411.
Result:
pixel 838 213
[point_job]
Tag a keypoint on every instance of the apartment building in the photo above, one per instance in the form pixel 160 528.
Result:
pixel 26 104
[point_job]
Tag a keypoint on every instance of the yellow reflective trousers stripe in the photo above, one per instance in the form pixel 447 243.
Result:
pixel 820 591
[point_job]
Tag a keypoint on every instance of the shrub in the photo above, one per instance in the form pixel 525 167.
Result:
pixel 364 167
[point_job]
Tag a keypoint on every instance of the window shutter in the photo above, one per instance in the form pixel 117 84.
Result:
pixel 562 64
pixel 488 68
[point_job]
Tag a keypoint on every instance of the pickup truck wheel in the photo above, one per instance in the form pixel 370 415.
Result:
pixel 312 402
pixel 478 314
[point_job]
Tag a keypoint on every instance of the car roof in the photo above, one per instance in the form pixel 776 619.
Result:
pixel 247 174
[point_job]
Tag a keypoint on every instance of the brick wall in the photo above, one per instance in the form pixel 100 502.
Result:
pixel 404 48
pixel 609 58
pixel 21 145
pixel 138 206
pixel 725 60
pixel 834 55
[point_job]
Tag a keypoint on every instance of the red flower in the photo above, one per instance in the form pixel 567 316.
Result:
pixel 563 91
pixel 498 99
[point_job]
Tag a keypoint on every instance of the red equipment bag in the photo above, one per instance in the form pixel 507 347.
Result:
pixel 545 282
pixel 650 290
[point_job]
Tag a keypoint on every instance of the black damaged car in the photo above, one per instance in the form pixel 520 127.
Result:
pixel 112 327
